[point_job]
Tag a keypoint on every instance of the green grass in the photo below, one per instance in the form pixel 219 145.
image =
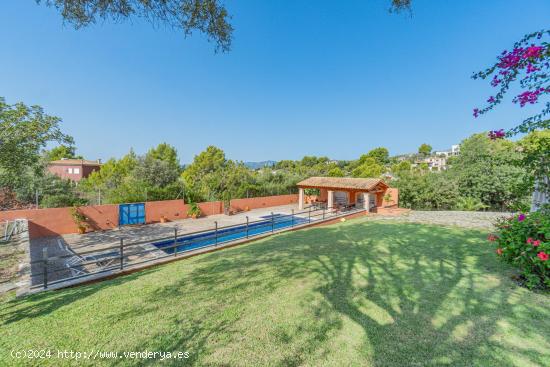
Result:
pixel 353 294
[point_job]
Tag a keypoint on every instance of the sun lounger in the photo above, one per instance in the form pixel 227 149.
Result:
pixel 76 261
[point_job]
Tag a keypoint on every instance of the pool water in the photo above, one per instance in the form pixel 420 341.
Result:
pixel 196 241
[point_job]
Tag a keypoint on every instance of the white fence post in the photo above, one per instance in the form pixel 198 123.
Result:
pixel 540 195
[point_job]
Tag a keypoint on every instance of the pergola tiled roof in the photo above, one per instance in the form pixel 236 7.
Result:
pixel 342 183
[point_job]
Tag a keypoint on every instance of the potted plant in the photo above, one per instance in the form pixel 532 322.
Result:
pixel 194 211
pixel 226 207
pixel 388 198
pixel 79 219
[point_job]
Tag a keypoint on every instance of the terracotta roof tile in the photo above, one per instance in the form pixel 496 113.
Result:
pixel 341 183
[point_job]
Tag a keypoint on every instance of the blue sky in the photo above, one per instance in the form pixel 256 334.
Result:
pixel 303 77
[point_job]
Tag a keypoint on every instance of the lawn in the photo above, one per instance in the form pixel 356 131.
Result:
pixel 357 293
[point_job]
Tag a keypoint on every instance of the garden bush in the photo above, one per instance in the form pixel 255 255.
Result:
pixel 523 240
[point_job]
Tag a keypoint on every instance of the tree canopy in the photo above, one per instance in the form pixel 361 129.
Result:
pixel 166 153
pixel 24 131
pixel 425 149
pixel 207 16
pixel 60 152
pixel 381 155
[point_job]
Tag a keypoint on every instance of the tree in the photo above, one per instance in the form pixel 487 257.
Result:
pixel 24 131
pixel 489 170
pixel 207 16
pixel 368 168
pixel 425 150
pixel 60 152
pixel 335 172
pixel 427 190
pixel 401 167
pixel 52 191
pixel 380 155
pixel 535 148
pixel 155 172
pixel 311 161
pixel 400 5
pixel 113 181
pixel 165 152
pixel 202 177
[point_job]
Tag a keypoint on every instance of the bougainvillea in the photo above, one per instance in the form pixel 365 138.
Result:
pixel 524 241
pixel 528 65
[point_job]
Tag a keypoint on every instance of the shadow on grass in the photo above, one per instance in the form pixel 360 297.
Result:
pixel 421 295
pixel 42 304
pixel 424 295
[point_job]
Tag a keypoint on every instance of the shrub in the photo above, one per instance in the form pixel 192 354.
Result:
pixel 470 204
pixel 310 192
pixel 194 210
pixel 523 240
pixel 79 218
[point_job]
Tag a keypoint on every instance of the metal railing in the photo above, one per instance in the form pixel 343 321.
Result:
pixel 113 259
pixel 12 228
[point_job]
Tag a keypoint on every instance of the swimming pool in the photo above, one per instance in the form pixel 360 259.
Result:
pixel 192 242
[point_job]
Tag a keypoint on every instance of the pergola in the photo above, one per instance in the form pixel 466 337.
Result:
pixel 367 193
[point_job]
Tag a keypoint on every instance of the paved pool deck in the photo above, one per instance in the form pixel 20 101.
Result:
pixel 159 230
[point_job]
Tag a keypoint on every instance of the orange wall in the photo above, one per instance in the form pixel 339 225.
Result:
pixel 170 209
pixel 211 208
pixel 394 201
pixel 176 209
pixel 55 221
pixel 263 202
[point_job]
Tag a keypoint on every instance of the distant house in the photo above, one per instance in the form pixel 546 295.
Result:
pixel 73 169
pixel 455 150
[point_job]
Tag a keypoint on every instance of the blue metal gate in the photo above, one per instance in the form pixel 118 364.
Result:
pixel 131 214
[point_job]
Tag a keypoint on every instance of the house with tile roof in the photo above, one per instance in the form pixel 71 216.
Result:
pixel 73 169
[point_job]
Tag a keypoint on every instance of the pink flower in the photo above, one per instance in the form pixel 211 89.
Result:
pixel 542 255
pixel 521 217
pixel 492 238
pixel 499 251
pixel 496 134
pixel 528 97
pixel 509 60
pixel 532 52
pixel 536 243
pixel 529 240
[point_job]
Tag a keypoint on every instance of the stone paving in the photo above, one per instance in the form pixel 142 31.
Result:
pixel 480 220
